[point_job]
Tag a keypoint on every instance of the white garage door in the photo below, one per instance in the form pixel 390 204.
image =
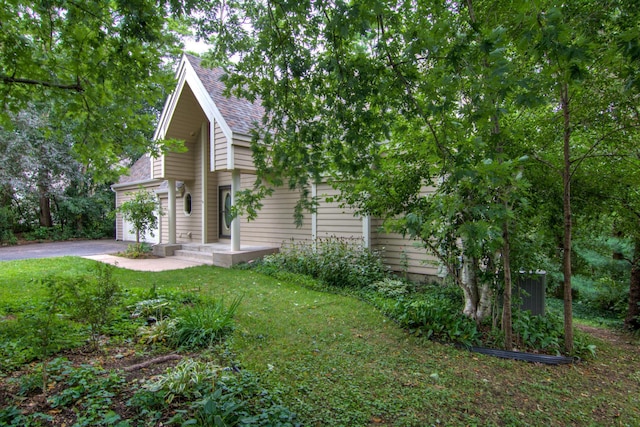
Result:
pixel 129 234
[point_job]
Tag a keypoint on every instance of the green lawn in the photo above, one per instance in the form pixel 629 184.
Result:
pixel 338 361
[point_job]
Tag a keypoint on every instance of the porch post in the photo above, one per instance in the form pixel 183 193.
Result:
pixel 159 218
pixel 205 172
pixel 235 223
pixel 172 211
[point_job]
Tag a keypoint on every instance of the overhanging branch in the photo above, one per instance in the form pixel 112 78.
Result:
pixel 77 87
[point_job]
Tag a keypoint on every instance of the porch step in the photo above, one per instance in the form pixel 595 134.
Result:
pixel 213 254
pixel 194 255
pixel 203 249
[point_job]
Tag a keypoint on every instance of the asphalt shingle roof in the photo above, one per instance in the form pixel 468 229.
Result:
pixel 239 114
pixel 140 171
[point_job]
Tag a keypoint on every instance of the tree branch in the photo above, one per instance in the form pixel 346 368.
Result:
pixel 77 87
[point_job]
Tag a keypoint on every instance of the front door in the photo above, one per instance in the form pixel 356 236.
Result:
pixel 224 214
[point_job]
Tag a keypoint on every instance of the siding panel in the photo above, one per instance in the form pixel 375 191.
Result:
pixel 243 157
pixel 402 254
pixel 220 145
pixel 180 166
pixel 333 220
pixel 275 223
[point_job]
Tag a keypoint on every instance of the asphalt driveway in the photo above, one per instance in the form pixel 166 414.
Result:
pixel 58 249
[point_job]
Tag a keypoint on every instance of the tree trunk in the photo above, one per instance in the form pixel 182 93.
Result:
pixel 566 198
pixel 477 296
pixel 45 207
pixel 632 320
pixel 507 326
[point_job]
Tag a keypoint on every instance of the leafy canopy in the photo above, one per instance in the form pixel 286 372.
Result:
pixel 102 64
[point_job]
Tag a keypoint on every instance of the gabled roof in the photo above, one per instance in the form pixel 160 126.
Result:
pixel 239 114
pixel 233 115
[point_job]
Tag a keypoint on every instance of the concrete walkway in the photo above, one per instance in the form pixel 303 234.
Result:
pixel 153 264
pixel 98 250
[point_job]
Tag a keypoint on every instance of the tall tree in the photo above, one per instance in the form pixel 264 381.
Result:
pixel 37 159
pixel 387 99
pixel 578 72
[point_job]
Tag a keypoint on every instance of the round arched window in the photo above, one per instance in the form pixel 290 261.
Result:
pixel 187 204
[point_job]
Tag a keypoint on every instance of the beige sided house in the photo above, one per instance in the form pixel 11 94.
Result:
pixel 196 188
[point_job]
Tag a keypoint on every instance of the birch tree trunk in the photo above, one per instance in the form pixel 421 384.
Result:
pixel 477 296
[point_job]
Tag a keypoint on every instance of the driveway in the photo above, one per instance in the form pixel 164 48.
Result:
pixel 57 249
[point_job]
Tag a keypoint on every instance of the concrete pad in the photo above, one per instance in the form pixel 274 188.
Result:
pixel 153 264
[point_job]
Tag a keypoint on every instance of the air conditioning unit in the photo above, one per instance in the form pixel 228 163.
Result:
pixel 530 291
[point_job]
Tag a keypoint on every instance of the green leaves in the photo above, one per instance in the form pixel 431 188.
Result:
pixel 101 64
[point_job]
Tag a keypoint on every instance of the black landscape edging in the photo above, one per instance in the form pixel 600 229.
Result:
pixel 527 357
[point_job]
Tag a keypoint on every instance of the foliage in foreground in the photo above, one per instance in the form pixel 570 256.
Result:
pixel 204 394
pixel 345 364
pixel 199 393
pixel 94 307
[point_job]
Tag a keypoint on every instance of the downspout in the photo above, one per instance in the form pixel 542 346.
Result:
pixel 366 231
pixel 314 215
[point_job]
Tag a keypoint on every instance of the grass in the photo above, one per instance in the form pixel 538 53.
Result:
pixel 338 361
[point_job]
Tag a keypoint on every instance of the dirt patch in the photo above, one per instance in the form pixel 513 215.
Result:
pixel 614 337
pixel 134 367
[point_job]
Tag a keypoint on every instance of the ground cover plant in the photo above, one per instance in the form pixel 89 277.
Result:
pixel 328 358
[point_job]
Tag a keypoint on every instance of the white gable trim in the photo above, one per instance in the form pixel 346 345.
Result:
pixel 186 74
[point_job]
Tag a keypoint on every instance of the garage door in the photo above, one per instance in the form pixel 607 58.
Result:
pixel 129 234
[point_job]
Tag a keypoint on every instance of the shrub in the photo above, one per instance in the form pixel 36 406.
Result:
pixel 240 400
pixel 7 220
pixel 160 332
pixel 335 261
pixel 215 397
pixel 436 313
pixel 137 250
pixel 611 295
pixel 391 288
pixel 157 308
pixel 93 299
pixel 39 233
pixel 538 332
pixel 89 390
pixel 604 295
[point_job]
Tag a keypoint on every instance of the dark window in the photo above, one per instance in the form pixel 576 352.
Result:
pixel 187 204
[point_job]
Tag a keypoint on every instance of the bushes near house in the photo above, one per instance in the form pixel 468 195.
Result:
pixel 431 311
pixel 337 262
